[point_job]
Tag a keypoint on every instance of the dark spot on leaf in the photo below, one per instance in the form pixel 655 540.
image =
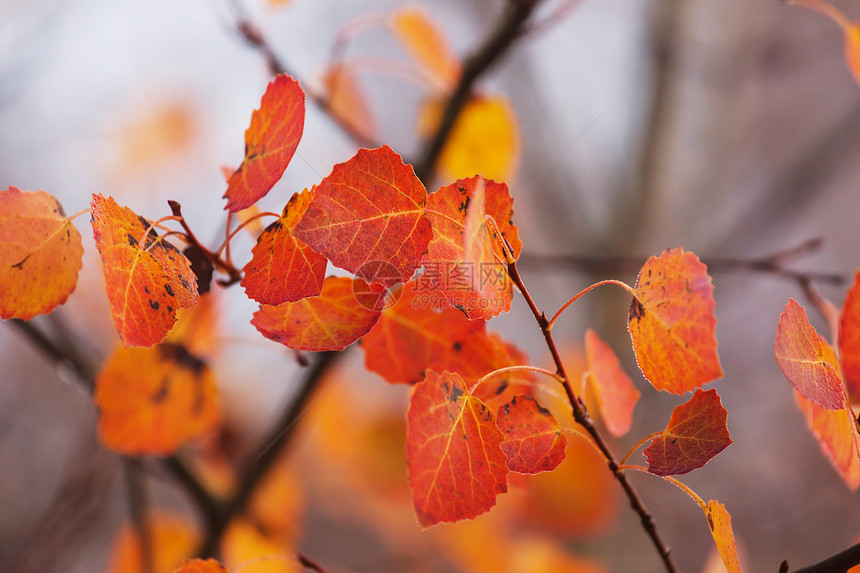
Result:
pixel 457 347
pixel 146 289
pixel 132 242
pixel 501 387
pixel 168 289
pixel 454 394
pixel 637 311
pixel 179 354
pixel 19 265
pixel 153 304
pixel 710 522
pixel 161 394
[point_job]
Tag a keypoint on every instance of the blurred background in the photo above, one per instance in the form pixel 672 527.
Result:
pixel 728 127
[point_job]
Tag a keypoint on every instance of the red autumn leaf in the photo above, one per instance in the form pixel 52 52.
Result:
pixel 201 566
pixel 284 269
pixel 153 400
pixel 720 524
pixel 40 254
pixel 270 142
pixel 464 257
pixel 616 395
pixel 672 323
pixel 456 464
pixel 836 434
pixel 368 217
pixel 344 311
pixel 800 355
pixel 849 340
pixel 417 331
pixel 696 433
pixel 534 442
pixel 147 279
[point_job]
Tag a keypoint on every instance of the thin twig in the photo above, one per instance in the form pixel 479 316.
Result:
pixel 581 416
pixel 839 563
pixel 512 24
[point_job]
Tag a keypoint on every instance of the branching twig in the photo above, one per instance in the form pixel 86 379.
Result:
pixel 581 416
pixel 139 509
pixel 511 25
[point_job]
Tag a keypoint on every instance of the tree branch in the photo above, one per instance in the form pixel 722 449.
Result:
pixel 511 25
pixel 138 503
pixel 839 563
pixel 580 414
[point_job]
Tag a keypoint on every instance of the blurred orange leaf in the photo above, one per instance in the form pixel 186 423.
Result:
pixel 40 254
pixel 147 279
pixel 367 217
pixel 172 538
pixel 270 142
pixel 534 442
pixel 415 332
pixel 614 389
pixel 425 43
pixel 484 141
pixel 836 433
pixel 720 524
pixel 696 433
pixel 344 311
pixel 456 465
pixel 153 400
pixel 672 323
pixel 800 355
pixel 284 269
pixel 201 566
pixel 345 99
pixel 849 340
pixel 155 132
pixel 247 548
pixel 464 257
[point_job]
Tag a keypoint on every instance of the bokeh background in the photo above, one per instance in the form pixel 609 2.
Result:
pixel 728 127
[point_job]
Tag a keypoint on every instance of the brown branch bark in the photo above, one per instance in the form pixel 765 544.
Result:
pixel 581 416
pixel 839 563
pixel 511 25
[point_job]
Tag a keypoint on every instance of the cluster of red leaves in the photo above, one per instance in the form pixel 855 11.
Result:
pixel 826 380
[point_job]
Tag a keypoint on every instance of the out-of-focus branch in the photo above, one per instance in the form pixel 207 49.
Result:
pixel 839 563
pixel 512 24
pixel 138 504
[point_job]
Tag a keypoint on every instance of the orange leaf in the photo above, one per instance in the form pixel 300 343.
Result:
pixel 173 540
pixel 696 433
pixel 40 254
pixel 270 142
pixel 720 524
pixel 153 400
pixel 534 442
pixel 836 433
pixel 368 217
pixel 422 39
pixel 415 332
pixel 800 355
pixel 456 464
pixel 672 323
pixel 344 311
pixel 201 566
pixel 464 257
pixel 616 395
pixel 283 269
pixel 247 548
pixel 849 340
pixel 346 100
pixel 484 140
pixel 147 279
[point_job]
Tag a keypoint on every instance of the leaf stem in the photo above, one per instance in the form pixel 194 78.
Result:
pixel 225 246
pixel 581 416
pixel 517 368
pixel 234 274
pixel 639 444
pixel 574 298
pixel 677 483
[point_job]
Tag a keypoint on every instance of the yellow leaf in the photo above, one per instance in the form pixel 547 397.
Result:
pixel 422 39
pixel 720 524
pixel 484 141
